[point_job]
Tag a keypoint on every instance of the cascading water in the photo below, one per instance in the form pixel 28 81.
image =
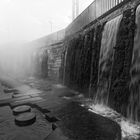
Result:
pixel 133 111
pixel 130 129
pixel 113 67
pixel 65 57
pixel 106 59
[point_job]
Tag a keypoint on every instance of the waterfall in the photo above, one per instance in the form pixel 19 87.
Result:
pixel 111 71
pixel 65 59
pixel 134 99
pixel 106 59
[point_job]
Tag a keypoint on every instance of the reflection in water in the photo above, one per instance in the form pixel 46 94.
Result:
pixel 106 59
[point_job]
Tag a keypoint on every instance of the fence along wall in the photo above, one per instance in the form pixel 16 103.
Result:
pixel 92 12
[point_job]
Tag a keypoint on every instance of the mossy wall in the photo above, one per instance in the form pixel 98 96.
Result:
pixel 120 76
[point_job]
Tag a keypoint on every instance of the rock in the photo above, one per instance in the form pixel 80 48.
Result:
pixel 54 126
pixel 50 117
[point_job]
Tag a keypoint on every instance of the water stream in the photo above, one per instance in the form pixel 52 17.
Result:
pixel 133 110
pixel 106 59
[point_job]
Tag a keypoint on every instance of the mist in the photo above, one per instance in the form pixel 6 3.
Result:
pixel 22 21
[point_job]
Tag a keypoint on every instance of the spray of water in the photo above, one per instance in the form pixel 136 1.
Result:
pixel 130 131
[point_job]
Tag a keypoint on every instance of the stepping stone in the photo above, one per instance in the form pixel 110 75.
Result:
pixel 25 119
pixel 43 110
pixel 15 98
pixel 6 98
pixel 7 90
pixel 17 95
pixel 25 94
pixel 22 98
pixel 34 95
pixel 21 109
pixel 25 101
pixel 29 100
pixel 10 90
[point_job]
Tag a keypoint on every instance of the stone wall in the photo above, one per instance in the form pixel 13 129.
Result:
pixel 80 60
pixel 54 61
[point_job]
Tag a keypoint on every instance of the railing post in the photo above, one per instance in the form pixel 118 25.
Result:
pixel 109 4
pixel 108 1
pixel 101 6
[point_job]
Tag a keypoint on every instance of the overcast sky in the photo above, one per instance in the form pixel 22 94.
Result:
pixel 23 20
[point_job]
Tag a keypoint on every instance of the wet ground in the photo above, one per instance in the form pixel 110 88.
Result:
pixel 59 111
pixel 130 130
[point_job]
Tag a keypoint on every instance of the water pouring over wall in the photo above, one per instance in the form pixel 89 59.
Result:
pixel 108 43
pixel 96 45
pixel 120 74
pixel 100 60
pixel 77 61
pixel 133 109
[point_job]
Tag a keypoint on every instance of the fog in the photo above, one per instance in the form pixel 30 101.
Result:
pixel 15 61
pixel 22 21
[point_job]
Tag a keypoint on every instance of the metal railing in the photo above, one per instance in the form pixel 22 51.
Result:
pixel 92 12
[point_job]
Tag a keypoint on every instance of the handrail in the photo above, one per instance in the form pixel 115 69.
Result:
pixel 92 12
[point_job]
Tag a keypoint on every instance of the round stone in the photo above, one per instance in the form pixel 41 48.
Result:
pixel 24 119
pixel 21 109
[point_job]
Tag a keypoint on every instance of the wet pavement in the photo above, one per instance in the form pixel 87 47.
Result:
pixel 58 117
